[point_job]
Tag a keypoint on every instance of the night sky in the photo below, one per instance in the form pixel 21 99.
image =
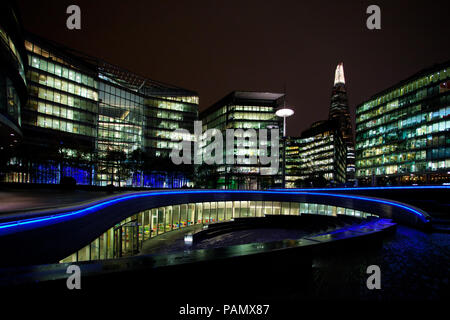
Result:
pixel 215 47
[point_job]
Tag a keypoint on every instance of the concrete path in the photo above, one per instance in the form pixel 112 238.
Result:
pixel 17 200
pixel 168 242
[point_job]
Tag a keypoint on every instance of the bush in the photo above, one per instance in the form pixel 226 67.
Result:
pixel 110 188
pixel 68 183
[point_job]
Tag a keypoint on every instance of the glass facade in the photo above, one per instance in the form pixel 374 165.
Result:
pixel 402 134
pixel 340 112
pixel 126 238
pixel 10 104
pixel 163 116
pixel 13 89
pixel 83 108
pixel 243 110
pixel 62 97
pixel 316 158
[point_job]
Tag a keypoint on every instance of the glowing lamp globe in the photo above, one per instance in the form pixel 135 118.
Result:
pixel 284 112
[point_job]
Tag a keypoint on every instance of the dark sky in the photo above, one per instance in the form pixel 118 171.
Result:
pixel 215 47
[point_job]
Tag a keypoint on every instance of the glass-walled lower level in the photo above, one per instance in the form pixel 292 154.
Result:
pixel 126 238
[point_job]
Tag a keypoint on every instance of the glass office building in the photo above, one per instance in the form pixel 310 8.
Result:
pixel 97 123
pixel 244 110
pixel 402 133
pixel 340 112
pixel 13 88
pixel 317 158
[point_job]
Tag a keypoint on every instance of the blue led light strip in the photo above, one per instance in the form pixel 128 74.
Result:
pixel 365 188
pixel 18 223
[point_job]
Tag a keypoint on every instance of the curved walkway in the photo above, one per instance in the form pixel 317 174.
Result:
pixel 53 235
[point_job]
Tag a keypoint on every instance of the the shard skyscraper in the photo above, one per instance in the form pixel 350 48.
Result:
pixel 339 112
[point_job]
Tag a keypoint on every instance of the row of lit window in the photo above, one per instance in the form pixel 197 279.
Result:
pixel 218 118
pixel 120 115
pixel 130 95
pixel 108 91
pixel 117 145
pixel 377 112
pixel 291 180
pixel 405 103
pixel 173 106
pixel 406 143
pixel 188 99
pixel 62 85
pixel 412 119
pixel 164 124
pixel 315 151
pixel 382 149
pixel 414 85
pixel 118 135
pixel 315 144
pixel 318 137
pixel 62 125
pixel 314 161
pixel 124 116
pixel 106 129
pixel 399 103
pixel 393 158
pixel 61 71
pixel 65 113
pixel 418 167
pixel 116 102
pixel 166 115
pixel 406 134
pixel 252 116
pixel 247 125
pixel 156 143
pixel 251 108
pixel 431 154
pixel 126 237
pixel 316 168
pixel 120 127
pixel 64 99
pixel 169 135
pixel 32 47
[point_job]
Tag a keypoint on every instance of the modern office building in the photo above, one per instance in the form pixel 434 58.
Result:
pixel 339 111
pixel 317 158
pixel 402 133
pixel 13 88
pixel 244 110
pixel 96 122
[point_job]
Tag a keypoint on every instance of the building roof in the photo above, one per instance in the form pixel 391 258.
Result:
pixel 419 74
pixel 243 95
pixel 319 127
pixel 253 95
pixel 116 74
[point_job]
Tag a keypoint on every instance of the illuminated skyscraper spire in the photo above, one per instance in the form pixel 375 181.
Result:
pixel 340 112
pixel 339 74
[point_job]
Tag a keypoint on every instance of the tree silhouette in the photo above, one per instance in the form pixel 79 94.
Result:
pixel 116 160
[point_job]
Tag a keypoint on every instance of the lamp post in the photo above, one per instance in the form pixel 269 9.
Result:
pixel 284 112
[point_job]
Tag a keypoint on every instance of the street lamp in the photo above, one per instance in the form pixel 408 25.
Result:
pixel 284 112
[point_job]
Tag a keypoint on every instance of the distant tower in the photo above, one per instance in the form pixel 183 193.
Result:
pixel 339 111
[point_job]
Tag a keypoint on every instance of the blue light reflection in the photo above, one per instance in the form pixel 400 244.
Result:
pixel 96 207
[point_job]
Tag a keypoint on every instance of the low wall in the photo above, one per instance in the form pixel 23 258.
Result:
pixel 53 235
